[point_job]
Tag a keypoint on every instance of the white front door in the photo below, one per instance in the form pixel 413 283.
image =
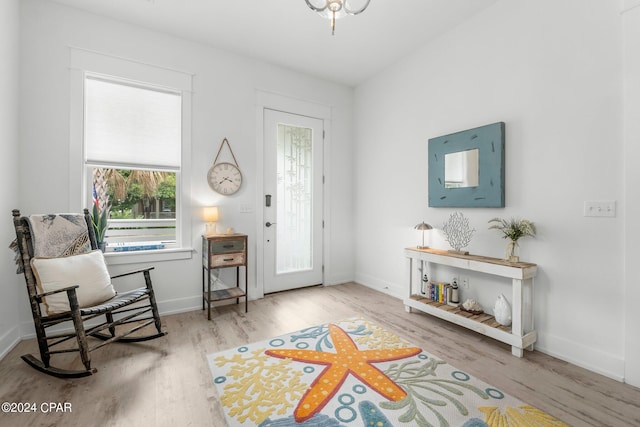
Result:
pixel 292 201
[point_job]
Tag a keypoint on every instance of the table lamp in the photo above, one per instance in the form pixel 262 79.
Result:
pixel 423 226
pixel 210 215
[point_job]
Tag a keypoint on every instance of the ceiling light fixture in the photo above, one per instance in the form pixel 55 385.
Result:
pixel 336 9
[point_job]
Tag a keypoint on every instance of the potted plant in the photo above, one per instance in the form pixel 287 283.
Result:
pixel 513 229
pixel 99 218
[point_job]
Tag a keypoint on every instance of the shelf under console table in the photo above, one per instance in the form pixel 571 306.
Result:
pixel 520 334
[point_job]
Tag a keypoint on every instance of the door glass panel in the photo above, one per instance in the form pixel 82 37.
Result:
pixel 294 250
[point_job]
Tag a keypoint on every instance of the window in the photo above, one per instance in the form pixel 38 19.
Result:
pixel 142 203
pixel 130 122
pixel 133 149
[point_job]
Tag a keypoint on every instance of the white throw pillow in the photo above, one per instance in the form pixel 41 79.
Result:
pixel 89 271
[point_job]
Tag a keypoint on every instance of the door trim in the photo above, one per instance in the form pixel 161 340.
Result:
pixel 292 105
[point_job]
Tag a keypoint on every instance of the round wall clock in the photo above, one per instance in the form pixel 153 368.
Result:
pixel 224 177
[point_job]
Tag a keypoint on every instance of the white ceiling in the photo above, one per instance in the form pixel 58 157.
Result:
pixel 288 33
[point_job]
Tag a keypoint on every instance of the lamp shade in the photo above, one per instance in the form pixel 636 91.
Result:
pixel 423 226
pixel 210 213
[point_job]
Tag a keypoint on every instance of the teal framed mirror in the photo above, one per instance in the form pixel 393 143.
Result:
pixel 466 169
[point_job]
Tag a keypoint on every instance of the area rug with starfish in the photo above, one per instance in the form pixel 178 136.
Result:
pixel 356 373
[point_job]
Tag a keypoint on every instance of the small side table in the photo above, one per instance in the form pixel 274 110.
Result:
pixel 222 251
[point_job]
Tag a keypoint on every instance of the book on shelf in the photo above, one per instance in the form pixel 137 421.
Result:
pixel 438 292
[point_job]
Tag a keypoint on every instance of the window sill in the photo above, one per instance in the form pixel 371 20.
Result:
pixel 156 255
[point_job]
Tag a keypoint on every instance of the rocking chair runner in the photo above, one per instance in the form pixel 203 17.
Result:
pixel 136 306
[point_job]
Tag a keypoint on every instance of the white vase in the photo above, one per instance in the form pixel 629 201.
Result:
pixel 502 311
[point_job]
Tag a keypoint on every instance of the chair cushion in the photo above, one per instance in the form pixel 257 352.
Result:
pixel 88 271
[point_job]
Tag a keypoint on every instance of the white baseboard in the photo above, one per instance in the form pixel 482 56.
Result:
pixel 184 305
pixel 9 340
pixel 180 305
pixel 338 279
pixel 388 288
pixel 594 360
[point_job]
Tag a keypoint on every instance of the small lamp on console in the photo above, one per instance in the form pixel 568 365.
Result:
pixel 423 226
pixel 210 215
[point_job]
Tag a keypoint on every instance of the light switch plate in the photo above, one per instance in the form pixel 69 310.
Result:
pixel 244 208
pixel 600 208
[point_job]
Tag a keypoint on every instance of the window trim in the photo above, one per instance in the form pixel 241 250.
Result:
pixel 85 62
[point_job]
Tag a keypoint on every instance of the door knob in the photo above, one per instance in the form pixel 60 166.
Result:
pixel 269 224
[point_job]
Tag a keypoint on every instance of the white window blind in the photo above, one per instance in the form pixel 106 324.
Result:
pixel 127 124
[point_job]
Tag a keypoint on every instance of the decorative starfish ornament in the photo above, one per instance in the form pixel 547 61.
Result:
pixel 346 360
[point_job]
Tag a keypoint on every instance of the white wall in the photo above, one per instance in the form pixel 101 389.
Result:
pixel 11 288
pixel 631 21
pixel 223 106
pixel 552 72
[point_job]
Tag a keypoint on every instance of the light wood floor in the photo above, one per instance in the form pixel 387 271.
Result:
pixel 167 382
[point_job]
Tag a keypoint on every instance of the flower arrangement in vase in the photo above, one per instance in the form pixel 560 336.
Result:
pixel 513 229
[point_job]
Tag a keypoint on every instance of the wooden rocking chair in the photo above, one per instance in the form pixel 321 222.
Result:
pixel 119 309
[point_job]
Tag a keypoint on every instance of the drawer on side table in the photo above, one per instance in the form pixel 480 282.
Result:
pixel 227 245
pixel 227 260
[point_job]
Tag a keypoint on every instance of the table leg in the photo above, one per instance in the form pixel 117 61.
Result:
pixel 208 294
pixel 246 289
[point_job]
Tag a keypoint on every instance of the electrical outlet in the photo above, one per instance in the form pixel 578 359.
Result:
pixel 464 282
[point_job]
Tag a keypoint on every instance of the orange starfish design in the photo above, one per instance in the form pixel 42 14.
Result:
pixel 346 360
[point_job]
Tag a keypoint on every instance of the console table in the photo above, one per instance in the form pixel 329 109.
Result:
pixel 520 335
pixel 223 251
